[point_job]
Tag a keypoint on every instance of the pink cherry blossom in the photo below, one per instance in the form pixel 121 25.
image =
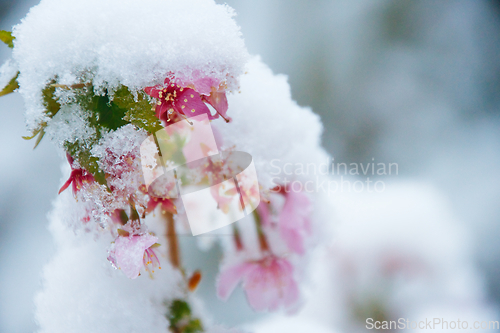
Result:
pixel 131 253
pixel 77 178
pixel 166 205
pixel 268 283
pixel 177 100
pixel 294 220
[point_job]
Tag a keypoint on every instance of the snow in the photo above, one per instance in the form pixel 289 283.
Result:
pixel 83 293
pixel 69 125
pixel 269 125
pixel 137 44
pixel 7 71
pixel 134 43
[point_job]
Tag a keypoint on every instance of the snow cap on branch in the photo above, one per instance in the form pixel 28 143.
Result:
pixel 129 42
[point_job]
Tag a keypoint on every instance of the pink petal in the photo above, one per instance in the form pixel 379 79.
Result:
pixel 153 91
pixel 264 213
pixel 161 109
pixel 261 290
pixel 152 203
pixel 190 104
pixel 230 277
pixel 294 222
pixel 65 185
pixel 218 100
pixel 129 253
pixel 271 286
pixel 202 85
pixel 294 240
pixel 291 290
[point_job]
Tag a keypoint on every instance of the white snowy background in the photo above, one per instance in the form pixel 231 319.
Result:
pixel 413 83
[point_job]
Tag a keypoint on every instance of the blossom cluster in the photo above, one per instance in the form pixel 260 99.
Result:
pixel 100 114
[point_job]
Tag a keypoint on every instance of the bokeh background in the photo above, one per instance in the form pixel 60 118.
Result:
pixel 399 81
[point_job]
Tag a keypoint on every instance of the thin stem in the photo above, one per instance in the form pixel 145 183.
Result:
pixel 237 238
pixel 173 241
pixel 74 86
pixel 220 114
pixel 264 245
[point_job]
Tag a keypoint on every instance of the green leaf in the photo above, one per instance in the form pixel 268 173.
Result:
pixel 108 114
pixel 11 86
pixel 52 106
pixel 179 310
pixel 7 38
pixel 39 138
pixel 40 132
pixel 139 113
pixel 122 232
pixel 104 114
pixel 194 326
pixel 35 132
pixel 180 318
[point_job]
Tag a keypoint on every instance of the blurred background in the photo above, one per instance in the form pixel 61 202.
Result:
pixel 398 81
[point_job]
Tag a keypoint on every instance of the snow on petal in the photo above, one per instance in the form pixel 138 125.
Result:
pixel 129 253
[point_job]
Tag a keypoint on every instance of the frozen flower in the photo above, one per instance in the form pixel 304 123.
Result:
pixel 77 178
pixel 294 221
pixel 180 101
pixel 130 253
pixel 166 205
pixel 268 283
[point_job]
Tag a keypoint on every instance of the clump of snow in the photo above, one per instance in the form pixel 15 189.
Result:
pixel 297 324
pixel 221 329
pixel 7 71
pixel 129 42
pixel 84 293
pixel 119 157
pixel 69 125
pixel 269 125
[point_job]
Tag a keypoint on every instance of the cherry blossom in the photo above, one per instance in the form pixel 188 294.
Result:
pixel 178 100
pixel 269 283
pixel 130 253
pixel 294 220
pixel 77 178
pixel 166 205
